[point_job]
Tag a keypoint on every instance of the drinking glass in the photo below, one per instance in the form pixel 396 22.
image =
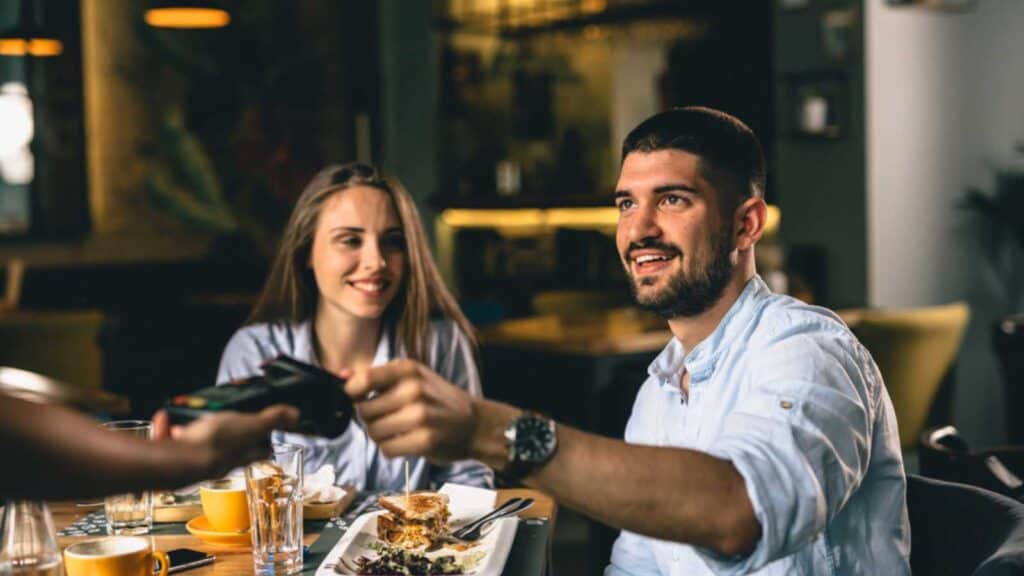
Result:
pixel 28 543
pixel 274 488
pixel 131 513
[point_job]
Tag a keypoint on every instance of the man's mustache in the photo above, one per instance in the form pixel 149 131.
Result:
pixel 651 244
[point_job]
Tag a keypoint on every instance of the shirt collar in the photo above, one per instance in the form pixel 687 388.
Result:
pixel 700 361
pixel 304 347
pixel 385 344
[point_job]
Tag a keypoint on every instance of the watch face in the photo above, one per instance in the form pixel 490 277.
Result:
pixel 535 440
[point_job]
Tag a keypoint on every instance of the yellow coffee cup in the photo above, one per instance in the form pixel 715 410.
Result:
pixel 115 556
pixel 225 504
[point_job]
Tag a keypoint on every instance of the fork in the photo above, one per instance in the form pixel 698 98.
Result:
pixel 472 531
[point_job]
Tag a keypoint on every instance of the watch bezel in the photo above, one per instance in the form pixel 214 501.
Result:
pixel 516 454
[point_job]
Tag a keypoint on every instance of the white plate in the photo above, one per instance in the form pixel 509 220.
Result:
pixel 356 541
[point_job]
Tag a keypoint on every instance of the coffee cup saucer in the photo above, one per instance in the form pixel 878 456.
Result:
pixel 200 528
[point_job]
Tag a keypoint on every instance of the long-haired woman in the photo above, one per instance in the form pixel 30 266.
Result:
pixel 354 285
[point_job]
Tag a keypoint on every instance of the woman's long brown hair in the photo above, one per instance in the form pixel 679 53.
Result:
pixel 291 294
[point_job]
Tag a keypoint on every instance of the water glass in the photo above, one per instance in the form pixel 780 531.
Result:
pixel 274 488
pixel 132 513
pixel 28 543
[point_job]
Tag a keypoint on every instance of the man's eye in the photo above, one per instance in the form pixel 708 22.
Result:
pixel 624 205
pixel 673 200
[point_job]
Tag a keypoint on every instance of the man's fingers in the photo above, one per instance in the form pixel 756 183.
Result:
pixel 397 423
pixel 398 396
pixel 415 443
pixel 367 380
pixel 357 386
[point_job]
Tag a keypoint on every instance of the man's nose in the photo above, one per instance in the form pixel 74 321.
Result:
pixel 643 226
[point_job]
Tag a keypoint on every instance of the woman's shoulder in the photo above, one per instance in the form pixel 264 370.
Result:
pixel 447 342
pixel 444 327
pixel 252 344
pixel 444 333
pixel 270 338
pixel 263 331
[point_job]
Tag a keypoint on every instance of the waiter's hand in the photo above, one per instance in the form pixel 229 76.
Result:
pixel 414 412
pixel 227 440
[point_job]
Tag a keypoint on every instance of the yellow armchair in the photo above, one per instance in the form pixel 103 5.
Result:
pixel 914 350
pixel 60 344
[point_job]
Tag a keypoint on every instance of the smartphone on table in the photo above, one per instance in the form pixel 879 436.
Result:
pixel 182 559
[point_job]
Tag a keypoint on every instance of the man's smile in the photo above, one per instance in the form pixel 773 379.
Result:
pixel 649 261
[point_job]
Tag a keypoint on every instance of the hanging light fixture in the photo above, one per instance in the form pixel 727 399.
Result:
pixel 187 14
pixel 27 38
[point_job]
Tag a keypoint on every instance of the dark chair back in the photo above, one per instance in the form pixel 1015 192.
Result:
pixel 960 530
pixel 946 455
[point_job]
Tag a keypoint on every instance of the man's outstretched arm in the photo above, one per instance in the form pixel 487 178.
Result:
pixel 667 493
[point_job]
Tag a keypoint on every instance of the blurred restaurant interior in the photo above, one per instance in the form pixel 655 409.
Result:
pixel 146 173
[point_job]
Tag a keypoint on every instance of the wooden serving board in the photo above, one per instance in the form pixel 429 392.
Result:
pixel 326 511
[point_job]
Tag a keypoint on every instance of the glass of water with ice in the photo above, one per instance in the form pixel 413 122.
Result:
pixel 274 488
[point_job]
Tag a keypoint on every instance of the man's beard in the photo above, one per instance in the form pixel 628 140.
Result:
pixel 685 296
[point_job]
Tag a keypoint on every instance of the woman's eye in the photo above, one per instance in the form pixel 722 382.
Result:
pixel 394 243
pixel 350 241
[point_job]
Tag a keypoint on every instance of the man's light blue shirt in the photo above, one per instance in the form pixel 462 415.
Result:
pixel 786 393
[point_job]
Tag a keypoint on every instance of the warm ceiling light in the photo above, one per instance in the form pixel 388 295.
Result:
pixel 13 47
pixel 187 17
pixel 27 38
pixel 41 47
pixel 38 47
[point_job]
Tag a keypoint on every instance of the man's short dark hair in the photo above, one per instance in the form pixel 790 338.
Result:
pixel 723 142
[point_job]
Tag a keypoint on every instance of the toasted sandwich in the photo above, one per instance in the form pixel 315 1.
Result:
pixel 415 521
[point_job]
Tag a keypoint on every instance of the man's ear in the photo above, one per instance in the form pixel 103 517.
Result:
pixel 749 221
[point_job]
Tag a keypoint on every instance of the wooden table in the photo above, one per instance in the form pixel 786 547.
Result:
pixel 615 331
pixel 235 561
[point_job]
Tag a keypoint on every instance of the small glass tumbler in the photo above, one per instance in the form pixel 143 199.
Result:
pixel 274 487
pixel 132 513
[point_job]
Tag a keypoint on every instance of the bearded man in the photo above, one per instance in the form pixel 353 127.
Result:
pixel 763 440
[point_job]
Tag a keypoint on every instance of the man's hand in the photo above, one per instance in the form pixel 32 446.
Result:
pixel 228 440
pixel 414 412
